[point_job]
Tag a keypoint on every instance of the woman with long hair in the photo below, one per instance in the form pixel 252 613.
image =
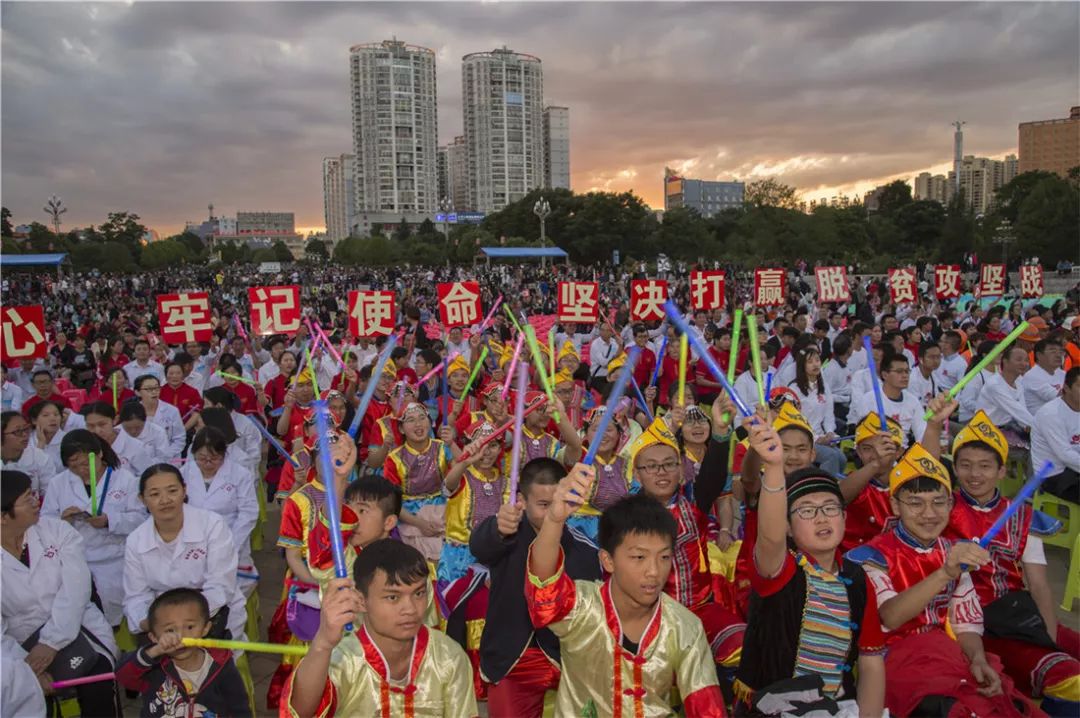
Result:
pixel 17 454
pixel 47 418
pixel 817 407
pixel 113 358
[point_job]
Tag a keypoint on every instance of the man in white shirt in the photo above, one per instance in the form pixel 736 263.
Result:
pixel 837 374
pixel 923 384
pixel 602 350
pixel 272 368
pixel 143 364
pixel 1002 396
pixel 456 342
pixel 900 405
pixel 1055 437
pixel 1043 382
pixel 953 365
pixel 11 393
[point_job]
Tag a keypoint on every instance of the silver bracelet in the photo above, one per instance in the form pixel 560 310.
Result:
pixel 766 489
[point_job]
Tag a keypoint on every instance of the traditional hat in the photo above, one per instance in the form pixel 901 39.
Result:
pixel 981 430
pixel 789 417
pixel 568 349
pixel 478 429
pixel 917 462
pixel 561 376
pixel 617 362
pixel 488 387
pixel 458 364
pixel 413 408
pixel 871 426
pixel 784 394
pixel 656 433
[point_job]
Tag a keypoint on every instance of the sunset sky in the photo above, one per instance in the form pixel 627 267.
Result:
pixel 161 108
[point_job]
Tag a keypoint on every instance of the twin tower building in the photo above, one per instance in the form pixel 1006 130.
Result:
pixel 512 142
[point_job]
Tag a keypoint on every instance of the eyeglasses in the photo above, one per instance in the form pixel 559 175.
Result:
pixel 809 513
pixel 938 505
pixel 667 467
pixel 18 432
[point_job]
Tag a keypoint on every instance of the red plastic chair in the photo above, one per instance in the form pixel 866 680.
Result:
pixel 75 397
pixel 63 385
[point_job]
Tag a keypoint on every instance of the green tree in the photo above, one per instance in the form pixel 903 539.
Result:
pixel 1009 197
pixel 5 223
pixel 233 253
pixel 281 253
pixel 41 238
pixel 770 193
pixel 1047 221
pixel 164 253
pixel 687 235
pixel 958 233
pixel 124 227
pixel 316 249
pixel 264 254
pixel 403 231
pixel 893 197
pixel 9 246
pixel 921 223
pixel 105 256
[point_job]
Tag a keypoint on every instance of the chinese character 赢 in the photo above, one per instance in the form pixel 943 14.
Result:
pixel 769 287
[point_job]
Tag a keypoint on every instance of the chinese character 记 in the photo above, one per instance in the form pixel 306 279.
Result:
pixel 706 290
pixel 578 302
pixel 459 303
pixel 947 281
pixel 371 313
pixel 274 310
pixel 647 297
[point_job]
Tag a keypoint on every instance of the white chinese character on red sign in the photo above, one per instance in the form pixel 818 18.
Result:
pixel 902 289
pixel 579 302
pixel 991 280
pixel 459 303
pixel 769 287
pixel 24 333
pixel 1031 281
pixel 185 317
pixel 947 281
pixel 832 284
pixel 706 290
pixel 371 313
pixel 274 310
pixel 647 297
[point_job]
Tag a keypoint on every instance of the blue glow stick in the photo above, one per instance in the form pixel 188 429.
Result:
pixel 369 390
pixel 273 442
pixel 876 381
pixel 326 468
pixel 768 384
pixel 641 400
pixel 659 361
pixel 617 392
pixel 704 355
pixel 1026 493
pixel 446 390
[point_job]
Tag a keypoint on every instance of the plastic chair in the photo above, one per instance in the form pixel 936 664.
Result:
pixel 63 385
pixel 1015 476
pixel 1072 581
pixel 1064 511
pixel 75 397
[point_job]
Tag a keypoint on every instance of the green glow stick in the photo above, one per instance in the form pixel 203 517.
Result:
pixel 551 348
pixel 755 356
pixel 974 371
pixel 510 313
pixel 93 485
pixel 314 380
pixel 733 357
pixel 234 377
pixel 538 360
pixel 253 647
pixel 475 371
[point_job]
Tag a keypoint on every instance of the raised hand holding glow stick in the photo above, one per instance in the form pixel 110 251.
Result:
pixel 733 357
pixel 438 367
pixel 249 646
pixel 490 317
pixel 871 365
pixel 329 480
pixel 538 361
pixel 641 400
pixel 975 370
pixel 612 402
pixel 1020 499
pixel 659 361
pixel 519 421
pixel 475 372
pixel 273 441
pixel 510 371
pixel 234 377
pixel 369 390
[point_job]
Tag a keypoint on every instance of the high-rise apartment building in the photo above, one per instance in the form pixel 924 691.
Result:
pixel 443 173
pixel 557 147
pixel 338 196
pixel 502 95
pixel 1051 145
pixel 457 174
pixel 395 124
pixel 980 177
pixel 933 187
pixel 705 196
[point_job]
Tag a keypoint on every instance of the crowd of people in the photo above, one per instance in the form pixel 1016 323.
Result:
pixel 645 553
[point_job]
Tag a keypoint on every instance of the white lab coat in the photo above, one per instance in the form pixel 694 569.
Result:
pixel 52 450
pixel 202 556
pixel 154 441
pixel 167 417
pixel 133 370
pixel 36 464
pixel 104 548
pixel 22 694
pixel 231 495
pixel 53 593
pixel 133 455
pixel 247 449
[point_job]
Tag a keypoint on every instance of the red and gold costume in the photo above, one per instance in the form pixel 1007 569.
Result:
pixel 870 511
pixel 600 675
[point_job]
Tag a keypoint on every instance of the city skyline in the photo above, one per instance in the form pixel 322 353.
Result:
pixel 161 108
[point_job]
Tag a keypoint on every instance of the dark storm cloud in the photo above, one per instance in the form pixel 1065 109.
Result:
pixel 162 107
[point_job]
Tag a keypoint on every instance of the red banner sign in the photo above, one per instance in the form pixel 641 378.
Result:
pixel 647 297
pixel 947 281
pixel 185 317
pixel 579 302
pixel 24 333
pixel 832 284
pixel 371 313
pixel 770 287
pixel 991 280
pixel 274 310
pixel 902 286
pixel 707 289
pixel 1031 281
pixel 459 304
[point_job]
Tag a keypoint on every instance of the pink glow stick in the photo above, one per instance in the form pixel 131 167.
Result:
pixel 513 365
pixel 519 420
pixel 438 367
pixel 490 315
pixel 329 346
pixel 57 685
pixel 240 327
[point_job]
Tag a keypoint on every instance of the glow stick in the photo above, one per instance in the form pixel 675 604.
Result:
pixel 504 428
pixel 538 360
pixel 93 484
pixel 510 313
pixel 57 685
pixel 703 352
pixel 252 647
pixel 326 468
pixel 273 442
pixel 641 400
pixel 683 351
pixel 659 361
pixel 240 327
pixel 303 359
pixel 519 422
pixel 329 345
pixel 314 378
pixel 369 390
pixel 733 357
pixel 234 377
pixel 1015 503
pixel 975 370
pixel 875 382
pixel 768 383
pixel 490 317
pixel 612 400
pixel 115 395
pixel 551 350
pixel 446 392
pixel 435 369
pixel 512 367
pixel 475 371
pixel 755 356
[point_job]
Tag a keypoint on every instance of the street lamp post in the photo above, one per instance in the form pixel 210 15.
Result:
pixel 54 208
pixel 445 206
pixel 542 209
pixel 1004 236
